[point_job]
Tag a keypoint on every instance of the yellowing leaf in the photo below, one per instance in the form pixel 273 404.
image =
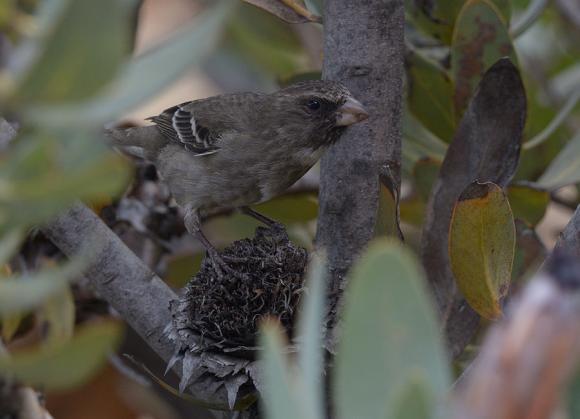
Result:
pixel 387 224
pixel 59 314
pixel 482 246
pixel 291 11
pixel 9 323
pixel 29 291
pixel 64 366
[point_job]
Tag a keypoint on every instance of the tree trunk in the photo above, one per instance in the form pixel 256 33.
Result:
pixel 364 49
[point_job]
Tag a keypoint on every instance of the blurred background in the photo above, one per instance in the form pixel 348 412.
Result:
pixel 258 51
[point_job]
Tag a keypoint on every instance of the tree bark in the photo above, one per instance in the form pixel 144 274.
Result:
pixel 363 48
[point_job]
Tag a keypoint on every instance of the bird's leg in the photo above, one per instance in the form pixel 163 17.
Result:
pixel 193 226
pixel 277 228
pixel 262 218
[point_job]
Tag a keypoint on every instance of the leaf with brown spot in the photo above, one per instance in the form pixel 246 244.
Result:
pixel 291 11
pixel 480 38
pixel 482 241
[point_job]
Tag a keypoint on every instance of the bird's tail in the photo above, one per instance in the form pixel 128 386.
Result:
pixel 142 142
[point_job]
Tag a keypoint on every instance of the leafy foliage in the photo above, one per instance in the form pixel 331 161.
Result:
pixel 62 84
pixel 67 364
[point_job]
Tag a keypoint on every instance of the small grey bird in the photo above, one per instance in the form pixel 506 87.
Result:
pixel 234 150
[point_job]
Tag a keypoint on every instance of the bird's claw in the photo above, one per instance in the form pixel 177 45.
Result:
pixel 222 268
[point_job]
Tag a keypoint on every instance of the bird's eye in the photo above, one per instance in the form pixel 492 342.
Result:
pixel 313 104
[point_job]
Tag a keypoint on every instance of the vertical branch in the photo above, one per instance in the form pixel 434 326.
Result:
pixel 363 48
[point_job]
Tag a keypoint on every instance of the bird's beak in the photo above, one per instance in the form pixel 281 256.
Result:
pixel 351 112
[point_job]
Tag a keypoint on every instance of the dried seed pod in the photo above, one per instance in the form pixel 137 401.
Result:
pixel 226 311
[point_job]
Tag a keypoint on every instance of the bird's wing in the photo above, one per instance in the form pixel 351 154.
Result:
pixel 180 124
pixel 200 125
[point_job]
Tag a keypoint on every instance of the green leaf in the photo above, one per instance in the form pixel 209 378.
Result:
pixel 389 334
pixel 430 95
pixel 279 395
pixel 58 313
pixel 143 76
pixel 414 400
pixel 555 123
pixel 565 169
pixel 310 354
pixel 66 366
pixel 504 9
pixel 265 42
pixel 573 397
pixel 481 247
pixel 80 53
pixel 425 174
pixel 528 17
pixel 419 143
pixel 480 39
pixel 435 17
pixel 528 204
pixel 45 174
pixel 29 291
pixel 9 244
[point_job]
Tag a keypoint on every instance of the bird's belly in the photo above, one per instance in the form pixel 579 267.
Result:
pixel 232 183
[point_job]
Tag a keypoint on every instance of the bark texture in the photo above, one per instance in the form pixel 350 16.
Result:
pixel 363 48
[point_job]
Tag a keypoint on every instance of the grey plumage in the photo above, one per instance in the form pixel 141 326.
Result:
pixel 234 150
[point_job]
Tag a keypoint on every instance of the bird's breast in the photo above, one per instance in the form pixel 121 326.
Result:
pixel 282 171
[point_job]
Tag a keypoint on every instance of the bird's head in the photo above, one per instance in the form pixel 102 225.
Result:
pixel 317 110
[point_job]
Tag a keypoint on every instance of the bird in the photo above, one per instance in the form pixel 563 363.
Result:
pixel 234 150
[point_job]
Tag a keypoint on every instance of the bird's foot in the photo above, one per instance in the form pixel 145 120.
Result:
pixel 222 269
